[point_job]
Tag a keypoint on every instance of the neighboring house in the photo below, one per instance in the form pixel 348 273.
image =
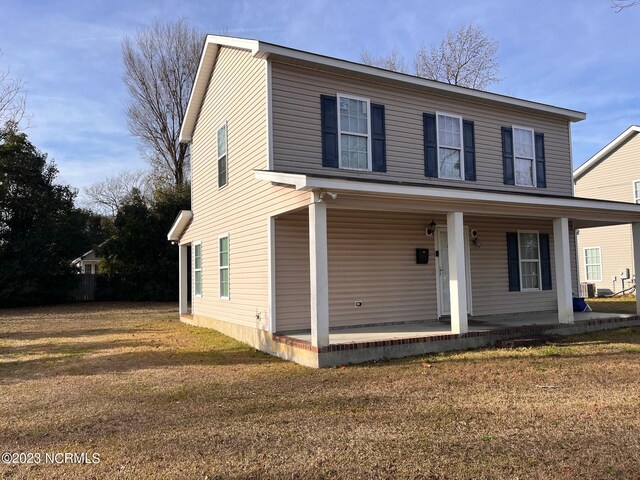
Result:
pixel 87 263
pixel 327 194
pixel 606 253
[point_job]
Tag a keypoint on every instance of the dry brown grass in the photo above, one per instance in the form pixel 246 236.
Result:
pixel 159 399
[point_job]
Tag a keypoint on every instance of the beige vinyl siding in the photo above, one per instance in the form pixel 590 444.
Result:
pixel 372 259
pixel 297 136
pixel 611 179
pixel 237 95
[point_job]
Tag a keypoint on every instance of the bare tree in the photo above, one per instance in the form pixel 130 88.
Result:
pixel 465 57
pixel 107 196
pixel 12 97
pixel 620 5
pixel 393 61
pixel 160 65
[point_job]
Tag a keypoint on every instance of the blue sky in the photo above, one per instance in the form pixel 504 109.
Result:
pixel 578 54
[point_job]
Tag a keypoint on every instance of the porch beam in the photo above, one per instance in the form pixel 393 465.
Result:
pixel 319 270
pixel 183 278
pixel 635 229
pixel 562 259
pixel 457 272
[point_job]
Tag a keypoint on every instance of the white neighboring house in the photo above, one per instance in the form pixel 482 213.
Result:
pixel 87 262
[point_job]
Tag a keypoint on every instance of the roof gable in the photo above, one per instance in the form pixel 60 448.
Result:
pixel 605 152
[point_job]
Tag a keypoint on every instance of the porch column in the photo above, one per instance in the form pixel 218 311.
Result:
pixel 635 228
pixel 562 260
pixel 457 272
pixel 183 278
pixel 319 269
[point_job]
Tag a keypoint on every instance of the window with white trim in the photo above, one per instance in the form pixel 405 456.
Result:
pixel 524 156
pixel 529 255
pixel 223 173
pixel 593 264
pixel 450 164
pixel 197 269
pixel 223 266
pixel 354 137
pixel 636 191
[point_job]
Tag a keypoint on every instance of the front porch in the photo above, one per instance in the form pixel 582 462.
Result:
pixel 371 343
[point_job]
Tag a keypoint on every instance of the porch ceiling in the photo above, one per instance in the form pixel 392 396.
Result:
pixel 381 195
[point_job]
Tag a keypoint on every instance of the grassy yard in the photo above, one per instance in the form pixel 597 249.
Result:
pixel 159 399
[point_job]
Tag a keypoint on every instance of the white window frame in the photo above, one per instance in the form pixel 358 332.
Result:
pixel 226 154
pixel 459 117
pixel 586 271
pixel 636 198
pixel 534 180
pixel 520 260
pixel 368 135
pixel 193 262
pixel 227 267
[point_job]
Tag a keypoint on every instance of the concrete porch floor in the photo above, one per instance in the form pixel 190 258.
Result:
pixel 377 333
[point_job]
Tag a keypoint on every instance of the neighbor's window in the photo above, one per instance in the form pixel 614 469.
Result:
pixel 449 146
pixel 354 140
pixel 636 191
pixel 222 156
pixel 197 269
pixel 593 264
pixel 223 244
pixel 528 244
pixel 524 156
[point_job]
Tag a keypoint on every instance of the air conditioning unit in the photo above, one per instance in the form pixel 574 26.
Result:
pixel 588 290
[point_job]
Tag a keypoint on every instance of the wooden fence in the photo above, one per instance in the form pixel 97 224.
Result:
pixel 85 290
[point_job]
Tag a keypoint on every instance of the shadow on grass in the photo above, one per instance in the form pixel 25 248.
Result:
pixel 77 360
pixel 70 333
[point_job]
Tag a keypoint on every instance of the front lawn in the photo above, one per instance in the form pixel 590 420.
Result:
pixel 159 399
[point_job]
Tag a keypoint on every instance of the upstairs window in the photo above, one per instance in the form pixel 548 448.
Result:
pixel 222 156
pixel 593 264
pixel 354 136
pixel 450 164
pixel 524 156
pixel 636 191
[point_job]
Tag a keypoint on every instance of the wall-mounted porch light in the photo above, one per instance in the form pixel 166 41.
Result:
pixel 431 229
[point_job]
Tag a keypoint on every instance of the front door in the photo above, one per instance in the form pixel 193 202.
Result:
pixel 442 267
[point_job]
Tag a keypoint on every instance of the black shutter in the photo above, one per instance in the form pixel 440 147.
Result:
pixel 469 150
pixel 378 142
pixel 513 262
pixel 541 177
pixel 545 261
pixel 329 125
pixel 507 156
pixel 430 145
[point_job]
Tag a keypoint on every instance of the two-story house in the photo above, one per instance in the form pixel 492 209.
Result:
pixel 331 200
pixel 605 254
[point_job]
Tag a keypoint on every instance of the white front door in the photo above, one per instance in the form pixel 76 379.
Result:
pixel 442 270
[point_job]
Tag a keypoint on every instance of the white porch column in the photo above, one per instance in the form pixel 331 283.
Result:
pixel 183 300
pixel 457 272
pixel 319 269
pixel 562 261
pixel 635 228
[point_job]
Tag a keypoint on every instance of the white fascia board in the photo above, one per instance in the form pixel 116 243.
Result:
pixel 615 143
pixel 304 182
pixel 207 61
pixel 179 225
pixel 573 115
